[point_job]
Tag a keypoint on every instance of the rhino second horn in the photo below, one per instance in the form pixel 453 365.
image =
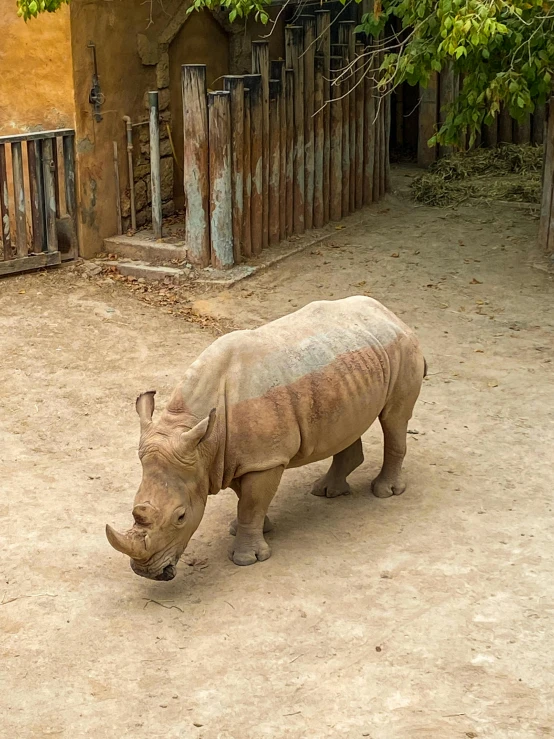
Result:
pixel 126 544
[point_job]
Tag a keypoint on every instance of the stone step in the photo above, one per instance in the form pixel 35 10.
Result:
pixel 153 252
pixel 148 272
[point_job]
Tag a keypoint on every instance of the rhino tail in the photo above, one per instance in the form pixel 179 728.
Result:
pixel 424 368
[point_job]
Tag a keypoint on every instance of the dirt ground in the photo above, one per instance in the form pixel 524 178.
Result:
pixel 427 616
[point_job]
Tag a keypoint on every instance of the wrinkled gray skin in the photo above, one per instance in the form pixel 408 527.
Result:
pixel 295 391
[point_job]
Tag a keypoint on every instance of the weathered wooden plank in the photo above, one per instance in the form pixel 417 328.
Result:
pixel 155 174
pixel 68 144
pixel 428 118
pixel 260 65
pixel 399 116
pixel 382 147
pixel 278 73
pixel 546 226
pixel 319 141
pixel 346 36
pixel 274 159
pixel 294 43
pixel 221 211
pixel 254 84
pixel 289 172
pixel 335 188
pixel 35 135
pixel 36 192
pixel 323 20
pixel 343 89
pixel 34 261
pixel 538 122
pixel 235 87
pixel 56 176
pixel 359 153
pixel 5 205
pixel 19 198
pixel 196 163
pixel 246 245
pixel 387 124
pixel 308 24
pixel 48 168
pixel 369 134
pixel 448 92
pixel 118 192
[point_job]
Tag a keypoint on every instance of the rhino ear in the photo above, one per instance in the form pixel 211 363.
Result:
pixel 145 408
pixel 191 439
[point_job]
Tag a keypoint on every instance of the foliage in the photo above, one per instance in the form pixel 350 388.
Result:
pixel 27 9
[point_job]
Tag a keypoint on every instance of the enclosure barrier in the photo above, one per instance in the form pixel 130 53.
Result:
pixel 41 188
pixel 283 150
pixel 546 225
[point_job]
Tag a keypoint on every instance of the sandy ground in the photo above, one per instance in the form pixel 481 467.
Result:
pixel 428 616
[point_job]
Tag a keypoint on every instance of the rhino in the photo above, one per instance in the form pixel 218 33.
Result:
pixel 298 390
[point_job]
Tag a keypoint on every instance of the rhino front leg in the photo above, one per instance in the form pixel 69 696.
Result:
pixel 255 492
pixel 334 482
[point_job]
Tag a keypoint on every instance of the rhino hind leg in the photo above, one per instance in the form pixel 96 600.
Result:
pixel 394 422
pixel 334 482
pixel 255 491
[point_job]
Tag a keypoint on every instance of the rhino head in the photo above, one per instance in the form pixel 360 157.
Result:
pixel 171 499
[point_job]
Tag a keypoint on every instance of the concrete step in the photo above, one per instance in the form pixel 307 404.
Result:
pixel 153 252
pixel 148 272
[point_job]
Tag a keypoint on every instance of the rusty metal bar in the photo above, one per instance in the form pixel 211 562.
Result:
pixel 254 84
pixel 221 210
pixel 278 73
pixel 369 135
pixel 294 47
pixel 235 86
pixel 323 21
pixel 319 141
pixel 196 163
pixel 274 159
pixel 5 204
pixel 246 246
pixel 335 181
pixel 19 198
pixel 118 189
pixel 359 152
pixel 48 167
pixel 308 24
pixel 36 188
pixel 155 174
pixel 289 172
pixel 260 65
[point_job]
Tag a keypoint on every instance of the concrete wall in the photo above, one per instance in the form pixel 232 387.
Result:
pixel 36 80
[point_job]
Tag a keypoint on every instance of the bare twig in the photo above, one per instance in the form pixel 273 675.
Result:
pixel 157 602
pixel 4 602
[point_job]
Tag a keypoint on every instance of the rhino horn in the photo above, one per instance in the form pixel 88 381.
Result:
pixel 127 544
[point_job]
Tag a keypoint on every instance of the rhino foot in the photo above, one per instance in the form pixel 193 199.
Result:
pixel 250 552
pixel 382 488
pixel 268 526
pixel 326 488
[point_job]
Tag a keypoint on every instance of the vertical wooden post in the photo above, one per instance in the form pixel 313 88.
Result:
pixel 260 65
pixel 538 124
pixel 377 144
pixel 369 132
pixel 254 84
pixel 346 36
pixel 19 199
pixel 387 117
pixel 221 212
pixel 308 24
pixel 323 47
pixel 274 159
pixel 5 204
pixel 427 121
pixel 399 116
pixel 246 246
pixel 343 88
pixel 278 73
pixel 383 147
pixel 319 141
pixel 289 172
pixel 522 130
pixel 118 190
pixel 196 163
pixel 56 176
pixel 447 94
pixel 546 225
pixel 68 145
pixel 335 183
pixel 235 87
pixel 155 176
pixel 48 169
pixel 294 47
pixel 491 133
pixel 359 153
pixel 505 126
pixel 36 187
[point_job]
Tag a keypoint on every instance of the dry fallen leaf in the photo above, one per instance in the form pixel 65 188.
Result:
pixel 475 282
pixel 395 255
pixel 479 351
pixel 22 292
pixel 493 384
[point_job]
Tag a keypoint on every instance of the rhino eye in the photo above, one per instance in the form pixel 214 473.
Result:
pixel 181 518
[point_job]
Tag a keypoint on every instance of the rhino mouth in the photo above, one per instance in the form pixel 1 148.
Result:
pixel 168 572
